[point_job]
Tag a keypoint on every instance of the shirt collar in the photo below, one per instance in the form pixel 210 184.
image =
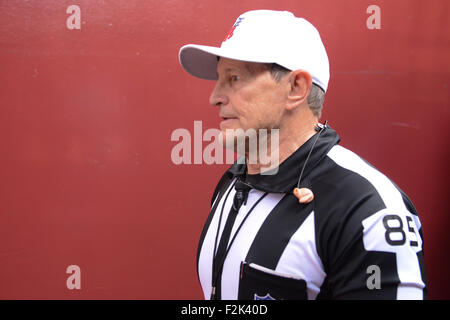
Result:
pixel 289 170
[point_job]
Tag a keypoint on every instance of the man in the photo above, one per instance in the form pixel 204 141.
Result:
pixel 325 224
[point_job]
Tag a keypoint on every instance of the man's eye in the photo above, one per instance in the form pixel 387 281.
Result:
pixel 234 78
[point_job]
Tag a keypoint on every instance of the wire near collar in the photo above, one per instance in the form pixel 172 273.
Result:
pixel 305 195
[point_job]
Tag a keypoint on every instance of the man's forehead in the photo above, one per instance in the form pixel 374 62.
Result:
pixel 227 65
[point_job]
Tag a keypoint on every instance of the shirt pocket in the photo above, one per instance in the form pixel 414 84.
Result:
pixel 260 283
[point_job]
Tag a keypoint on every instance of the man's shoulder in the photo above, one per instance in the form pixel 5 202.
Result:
pixel 353 199
pixel 346 183
pixel 349 175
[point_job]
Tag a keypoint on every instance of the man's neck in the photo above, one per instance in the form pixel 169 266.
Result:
pixel 288 143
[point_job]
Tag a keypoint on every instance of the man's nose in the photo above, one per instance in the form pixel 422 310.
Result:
pixel 217 97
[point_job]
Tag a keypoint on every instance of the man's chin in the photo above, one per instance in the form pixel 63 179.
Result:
pixel 235 139
pixel 227 138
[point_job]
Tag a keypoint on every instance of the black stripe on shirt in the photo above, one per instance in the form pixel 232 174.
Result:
pixel 276 231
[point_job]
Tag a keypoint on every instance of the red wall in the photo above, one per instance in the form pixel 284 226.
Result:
pixel 86 116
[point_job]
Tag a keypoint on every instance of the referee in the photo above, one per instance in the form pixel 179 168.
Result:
pixel 324 224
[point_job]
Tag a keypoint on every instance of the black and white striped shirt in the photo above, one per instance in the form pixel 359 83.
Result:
pixel 360 238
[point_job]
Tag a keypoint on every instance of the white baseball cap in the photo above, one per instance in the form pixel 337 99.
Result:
pixel 264 36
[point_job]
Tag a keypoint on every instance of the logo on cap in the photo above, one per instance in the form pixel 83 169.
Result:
pixel 230 33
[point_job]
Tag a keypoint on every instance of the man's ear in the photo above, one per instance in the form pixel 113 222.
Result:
pixel 300 86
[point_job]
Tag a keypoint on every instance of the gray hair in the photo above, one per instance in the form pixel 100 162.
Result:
pixel 316 97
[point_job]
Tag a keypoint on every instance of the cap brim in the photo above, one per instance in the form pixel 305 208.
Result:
pixel 200 61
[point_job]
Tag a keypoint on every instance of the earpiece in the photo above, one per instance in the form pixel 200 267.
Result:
pixel 304 195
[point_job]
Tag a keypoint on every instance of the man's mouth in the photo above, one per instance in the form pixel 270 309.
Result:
pixel 226 121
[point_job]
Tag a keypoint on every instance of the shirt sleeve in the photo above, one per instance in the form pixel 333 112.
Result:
pixel 375 254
